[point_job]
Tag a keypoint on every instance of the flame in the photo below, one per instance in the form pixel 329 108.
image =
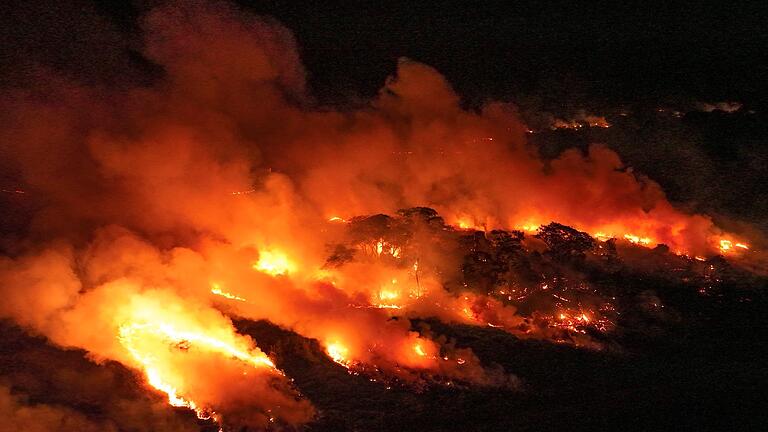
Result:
pixel 419 350
pixel 602 236
pixel 645 241
pixel 338 353
pixel 148 343
pixel 726 245
pixel 576 321
pixel 467 223
pixel 582 120
pixel 274 263
pixel 244 192
pixel 216 289
pixel 385 297
pixel 388 294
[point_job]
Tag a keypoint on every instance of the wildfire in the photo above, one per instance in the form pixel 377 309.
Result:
pixel 531 228
pixel 338 353
pixel 467 223
pixel 566 124
pixel 388 295
pixel 645 241
pixel 216 289
pixel 419 350
pixel 576 321
pixel 149 344
pixel 167 223
pixel 728 245
pixel 274 263
pixel 572 322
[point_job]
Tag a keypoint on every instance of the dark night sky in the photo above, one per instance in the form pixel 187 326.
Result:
pixel 561 51
pixel 504 49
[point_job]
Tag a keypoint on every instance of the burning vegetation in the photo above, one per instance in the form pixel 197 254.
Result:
pixel 362 232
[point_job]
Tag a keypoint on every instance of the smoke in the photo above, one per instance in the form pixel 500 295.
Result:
pixel 51 388
pixel 147 198
pixel 42 418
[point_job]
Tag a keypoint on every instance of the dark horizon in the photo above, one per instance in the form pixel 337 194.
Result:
pixel 512 51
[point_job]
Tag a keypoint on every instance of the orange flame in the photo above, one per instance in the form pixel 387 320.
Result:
pixel 143 340
pixel 338 353
pixel 274 263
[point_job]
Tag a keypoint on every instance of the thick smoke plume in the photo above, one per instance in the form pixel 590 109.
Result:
pixel 220 178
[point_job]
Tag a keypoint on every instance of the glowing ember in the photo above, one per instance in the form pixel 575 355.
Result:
pixel 576 322
pixel 245 192
pixel 13 191
pixel 273 263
